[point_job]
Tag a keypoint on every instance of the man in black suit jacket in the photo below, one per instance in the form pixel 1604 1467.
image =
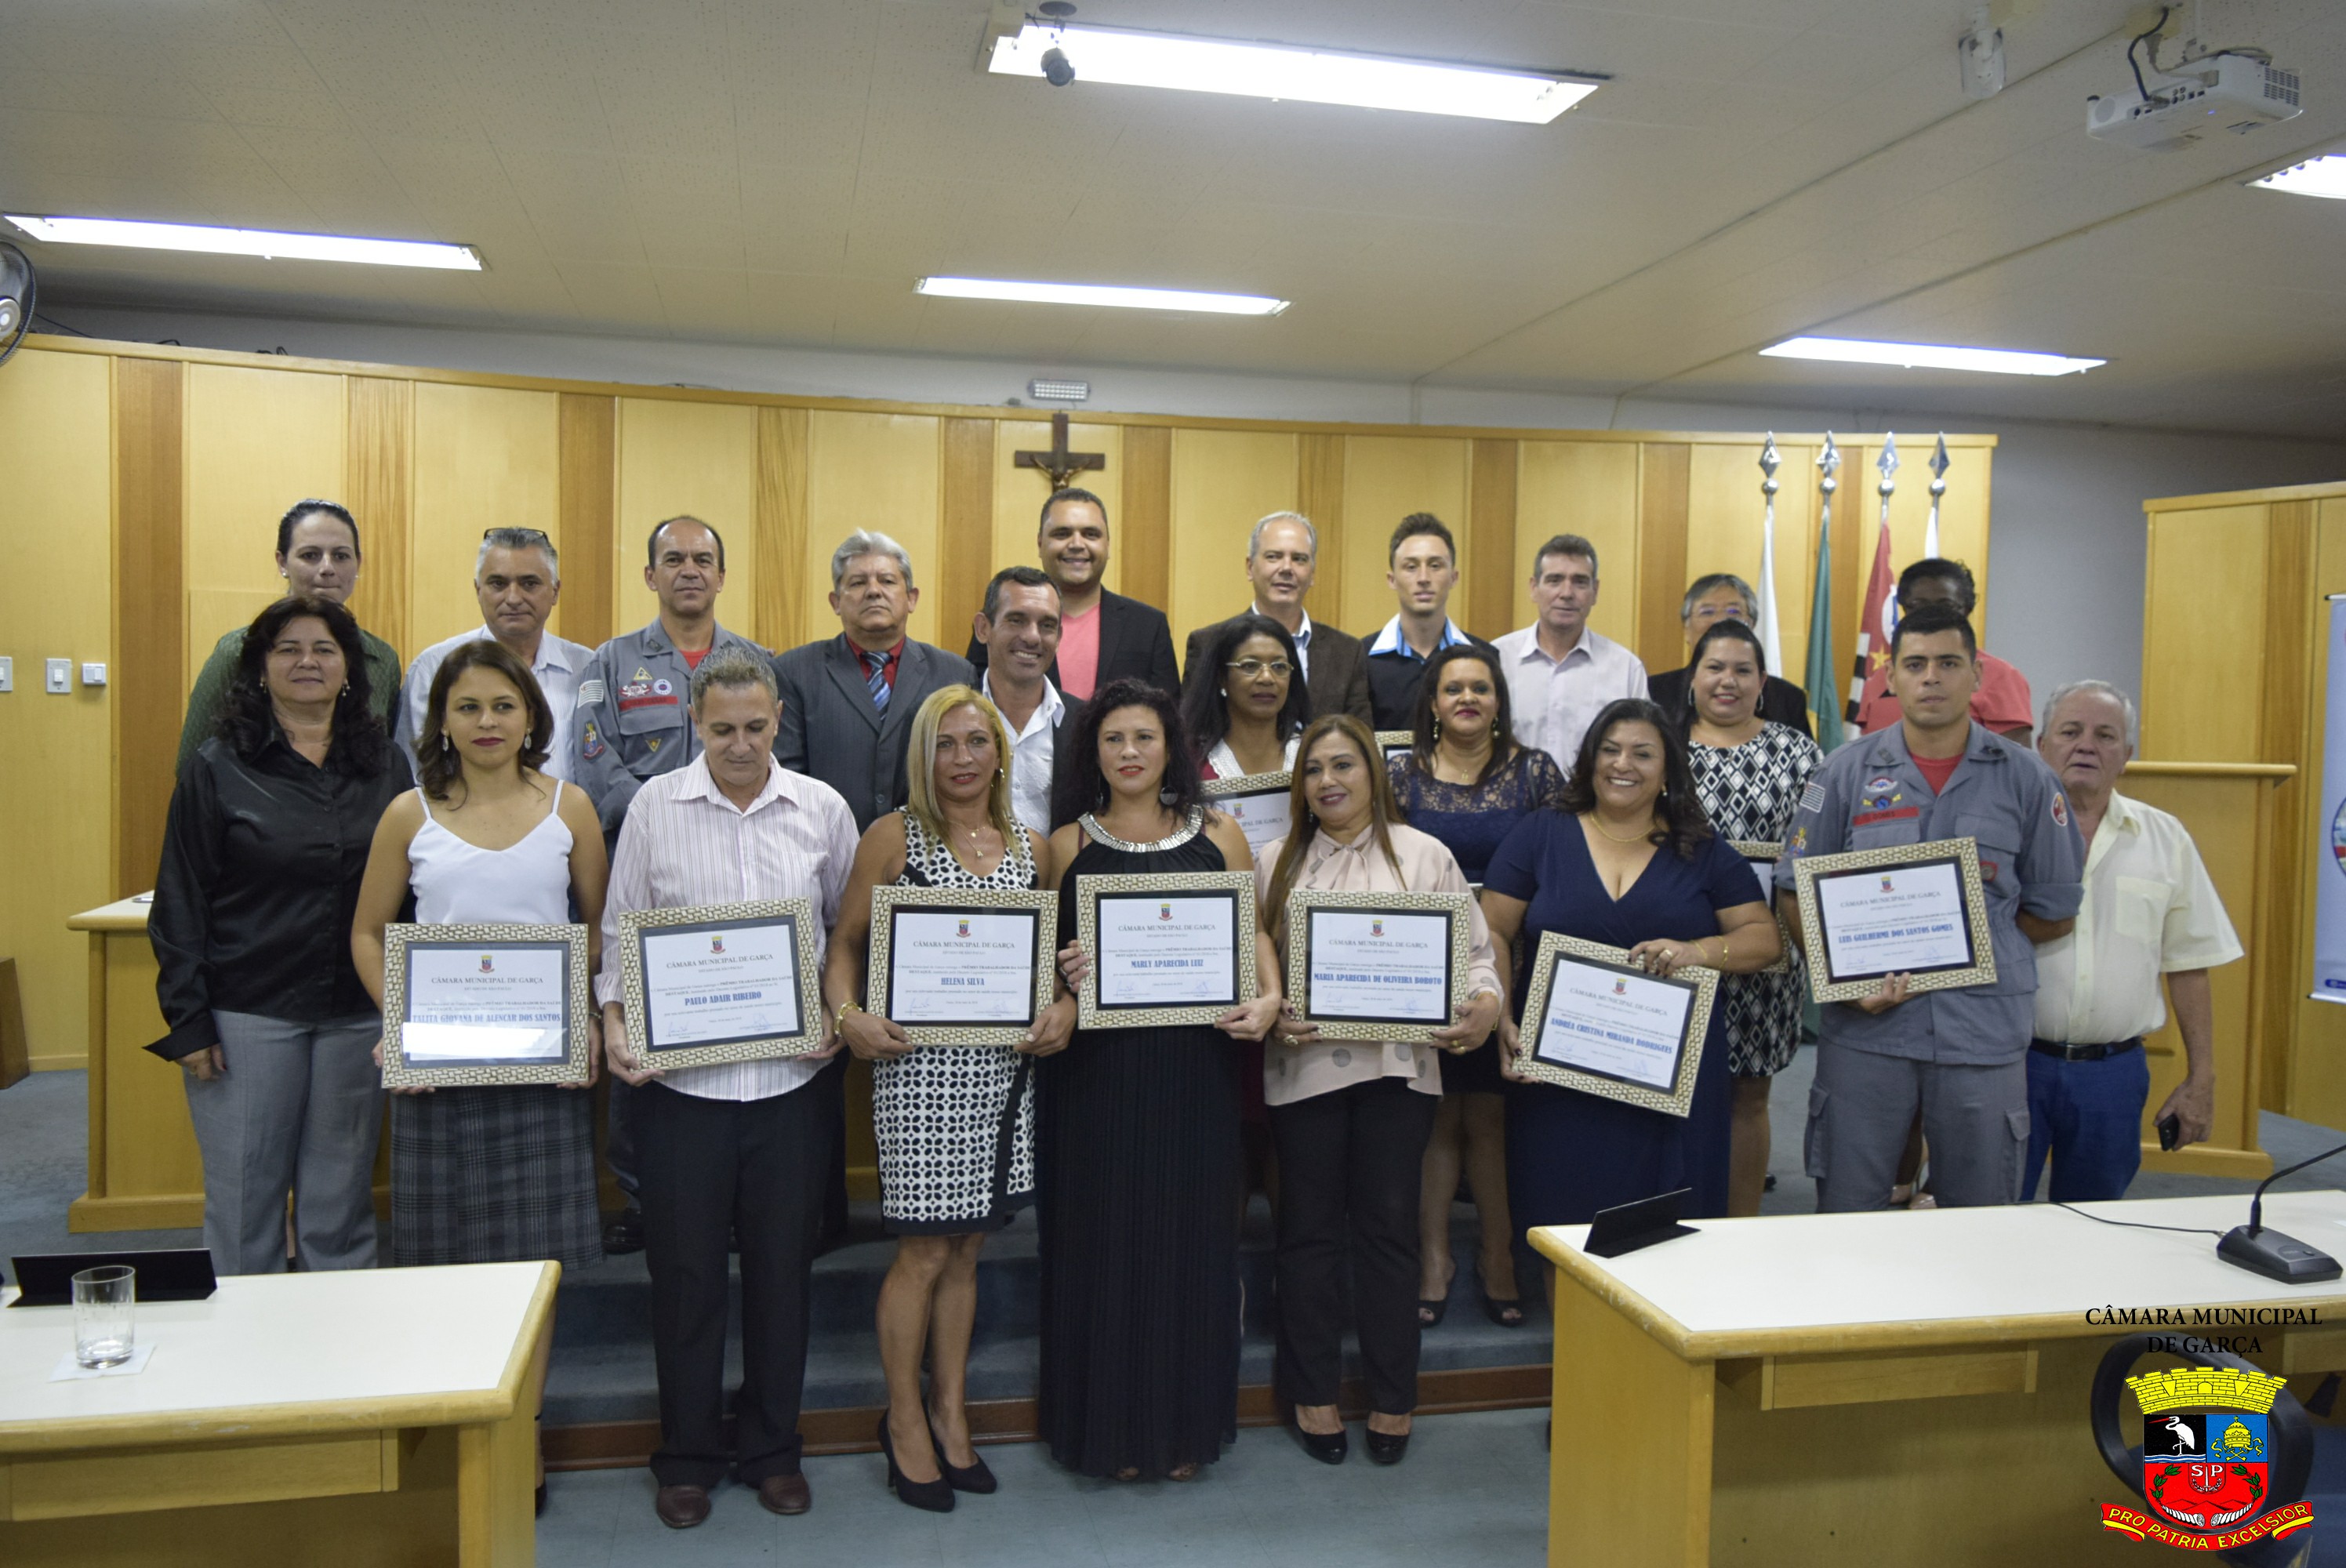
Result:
pixel 1723 595
pixel 834 725
pixel 1283 556
pixel 1019 629
pixel 1125 637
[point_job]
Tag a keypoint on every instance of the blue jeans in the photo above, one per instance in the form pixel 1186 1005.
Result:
pixel 2088 1116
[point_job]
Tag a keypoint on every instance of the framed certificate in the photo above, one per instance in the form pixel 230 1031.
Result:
pixel 466 1004
pixel 962 966
pixel 1167 948
pixel 1595 1022
pixel 1918 910
pixel 721 983
pixel 1761 855
pixel 1393 743
pixel 1258 802
pixel 1376 966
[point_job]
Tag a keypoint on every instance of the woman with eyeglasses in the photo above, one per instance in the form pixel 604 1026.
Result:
pixel 1245 720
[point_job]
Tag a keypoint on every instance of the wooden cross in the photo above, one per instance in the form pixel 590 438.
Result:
pixel 1059 464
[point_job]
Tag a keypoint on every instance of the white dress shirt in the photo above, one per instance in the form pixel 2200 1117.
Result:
pixel 1555 700
pixel 559 664
pixel 2149 911
pixel 684 844
pixel 1032 752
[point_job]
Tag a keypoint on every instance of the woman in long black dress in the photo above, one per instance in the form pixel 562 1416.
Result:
pixel 1137 1159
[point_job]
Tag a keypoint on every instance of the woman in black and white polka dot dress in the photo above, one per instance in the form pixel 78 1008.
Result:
pixel 955 1124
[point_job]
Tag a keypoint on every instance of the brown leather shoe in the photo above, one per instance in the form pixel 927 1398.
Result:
pixel 681 1507
pixel 785 1494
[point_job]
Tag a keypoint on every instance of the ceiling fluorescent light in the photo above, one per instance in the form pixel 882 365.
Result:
pixel 249 242
pixel 1930 356
pixel 2324 176
pixel 1101 294
pixel 1138 59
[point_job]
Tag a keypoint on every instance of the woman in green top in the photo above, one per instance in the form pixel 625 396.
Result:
pixel 316 555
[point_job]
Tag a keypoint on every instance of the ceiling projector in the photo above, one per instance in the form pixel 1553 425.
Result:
pixel 2189 103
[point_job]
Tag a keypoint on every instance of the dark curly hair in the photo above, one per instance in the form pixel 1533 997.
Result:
pixel 1207 711
pixel 249 720
pixel 437 766
pixel 1684 824
pixel 1084 787
pixel 1504 745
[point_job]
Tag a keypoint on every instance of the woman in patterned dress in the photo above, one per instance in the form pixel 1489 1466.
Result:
pixel 955 1124
pixel 1748 772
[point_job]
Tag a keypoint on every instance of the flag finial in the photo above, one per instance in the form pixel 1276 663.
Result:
pixel 1770 460
pixel 1888 463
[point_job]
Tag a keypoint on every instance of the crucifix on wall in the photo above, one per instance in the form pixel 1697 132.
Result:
pixel 1059 464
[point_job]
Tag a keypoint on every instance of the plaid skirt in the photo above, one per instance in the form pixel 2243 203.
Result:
pixel 494 1176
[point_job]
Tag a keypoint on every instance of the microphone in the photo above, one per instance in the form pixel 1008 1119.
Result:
pixel 2268 1252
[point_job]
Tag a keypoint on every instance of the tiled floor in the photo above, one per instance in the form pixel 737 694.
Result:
pixel 1473 1489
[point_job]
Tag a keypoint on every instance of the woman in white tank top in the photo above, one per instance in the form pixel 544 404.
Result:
pixel 486 1174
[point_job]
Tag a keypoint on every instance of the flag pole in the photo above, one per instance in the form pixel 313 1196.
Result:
pixel 1769 637
pixel 1821 678
pixel 1875 619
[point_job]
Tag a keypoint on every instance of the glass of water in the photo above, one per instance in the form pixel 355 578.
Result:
pixel 102 1302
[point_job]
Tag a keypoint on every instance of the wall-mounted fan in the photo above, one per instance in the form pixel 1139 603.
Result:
pixel 16 291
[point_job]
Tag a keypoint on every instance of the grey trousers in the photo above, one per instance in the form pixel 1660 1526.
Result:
pixel 299 1110
pixel 1974 1118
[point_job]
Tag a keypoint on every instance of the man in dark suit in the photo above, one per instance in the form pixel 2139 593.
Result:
pixel 1421 568
pixel 848 701
pixel 1103 636
pixel 1019 631
pixel 1723 596
pixel 1283 555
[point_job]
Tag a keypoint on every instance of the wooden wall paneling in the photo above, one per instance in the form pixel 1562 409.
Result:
pixel 258 440
pixel 682 458
pixel 1962 518
pixel 1662 480
pixel 2303 1067
pixel 878 472
pixel 56 845
pixel 1588 488
pixel 587 498
pixel 1222 483
pixel 380 492
pixel 149 686
pixel 781 617
pixel 1387 478
pixel 1321 462
pixel 1724 514
pixel 1486 545
pixel 484 458
pixel 2204 560
pixel 1143 532
pixel 966 556
pixel 1019 492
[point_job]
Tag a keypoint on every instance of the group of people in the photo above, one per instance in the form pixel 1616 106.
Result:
pixel 510 775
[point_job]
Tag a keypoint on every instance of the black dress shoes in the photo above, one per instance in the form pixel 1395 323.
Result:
pixel 1386 1447
pixel 624 1232
pixel 936 1496
pixel 977 1479
pixel 785 1494
pixel 1328 1448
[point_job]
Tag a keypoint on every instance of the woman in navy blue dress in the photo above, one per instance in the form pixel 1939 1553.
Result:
pixel 1630 861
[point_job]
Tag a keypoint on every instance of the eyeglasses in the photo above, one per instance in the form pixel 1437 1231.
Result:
pixel 1253 668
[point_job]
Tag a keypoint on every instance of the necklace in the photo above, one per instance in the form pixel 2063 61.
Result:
pixel 1596 822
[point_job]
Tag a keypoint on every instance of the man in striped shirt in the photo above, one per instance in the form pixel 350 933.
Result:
pixel 735 1148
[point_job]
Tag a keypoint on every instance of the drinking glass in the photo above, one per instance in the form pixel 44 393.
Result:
pixel 102 1301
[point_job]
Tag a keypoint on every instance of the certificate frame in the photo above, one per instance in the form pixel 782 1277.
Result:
pixel 1248 787
pixel 1962 853
pixel 1238 885
pixel 1554 947
pixel 879 977
pixel 636 924
pixel 1390 741
pixel 1303 901
pixel 403 939
pixel 1770 850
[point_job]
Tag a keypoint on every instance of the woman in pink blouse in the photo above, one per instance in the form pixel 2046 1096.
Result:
pixel 1350 1119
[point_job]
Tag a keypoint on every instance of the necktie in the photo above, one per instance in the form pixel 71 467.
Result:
pixel 876 677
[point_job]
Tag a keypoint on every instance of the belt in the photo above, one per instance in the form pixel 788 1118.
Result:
pixel 2085 1052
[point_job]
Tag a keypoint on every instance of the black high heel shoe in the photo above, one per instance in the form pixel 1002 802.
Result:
pixel 936 1496
pixel 1386 1447
pixel 1328 1448
pixel 976 1478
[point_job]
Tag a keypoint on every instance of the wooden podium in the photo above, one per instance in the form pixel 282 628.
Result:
pixel 145 1171
pixel 1895 1387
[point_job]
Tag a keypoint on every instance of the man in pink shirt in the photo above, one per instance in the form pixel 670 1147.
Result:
pixel 1103 636
pixel 2001 701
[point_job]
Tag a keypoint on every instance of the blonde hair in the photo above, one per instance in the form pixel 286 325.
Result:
pixel 921 764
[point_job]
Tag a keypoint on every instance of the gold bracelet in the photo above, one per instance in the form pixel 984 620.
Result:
pixel 839 1019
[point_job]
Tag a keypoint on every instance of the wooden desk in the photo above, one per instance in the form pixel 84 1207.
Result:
pixel 1862 1389
pixel 374 1417
pixel 145 1170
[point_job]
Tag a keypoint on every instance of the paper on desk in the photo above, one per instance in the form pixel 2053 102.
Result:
pixel 68 1369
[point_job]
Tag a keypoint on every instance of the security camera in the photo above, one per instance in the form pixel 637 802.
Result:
pixel 1057 69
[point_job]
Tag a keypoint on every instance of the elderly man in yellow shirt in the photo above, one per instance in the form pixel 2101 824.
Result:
pixel 2150 910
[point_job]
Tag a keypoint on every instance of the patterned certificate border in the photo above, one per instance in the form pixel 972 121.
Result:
pixel 1278 783
pixel 1392 740
pixel 755 912
pixel 1964 852
pixel 1302 901
pixel 1771 852
pixel 400 940
pixel 1555 948
pixel 1089 1014
pixel 886 900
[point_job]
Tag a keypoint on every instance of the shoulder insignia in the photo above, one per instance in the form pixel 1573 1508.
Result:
pixel 2060 810
pixel 594 747
pixel 590 691
pixel 641 674
pixel 1812 799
